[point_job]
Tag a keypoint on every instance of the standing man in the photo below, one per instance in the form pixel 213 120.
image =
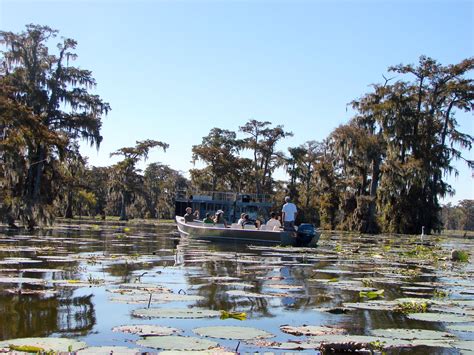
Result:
pixel 288 214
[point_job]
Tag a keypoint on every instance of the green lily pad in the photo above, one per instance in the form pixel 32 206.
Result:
pixel 173 342
pixel 464 345
pixel 386 343
pixel 175 313
pixel 374 305
pixel 54 344
pixel 411 334
pixel 234 333
pixel 241 293
pixel 107 350
pixel 462 328
pixel 135 299
pixel 146 329
pixel 152 288
pixel 440 317
pixel 215 351
pixel 285 287
pixel 311 330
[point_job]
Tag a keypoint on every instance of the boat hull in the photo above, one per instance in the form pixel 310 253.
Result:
pixel 210 232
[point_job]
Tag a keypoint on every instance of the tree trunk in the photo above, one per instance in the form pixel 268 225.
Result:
pixel 69 213
pixel 123 208
pixel 372 224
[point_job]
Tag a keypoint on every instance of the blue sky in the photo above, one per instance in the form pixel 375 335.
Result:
pixel 173 70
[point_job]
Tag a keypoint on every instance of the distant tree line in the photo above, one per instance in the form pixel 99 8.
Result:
pixel 383 171
pixel 459 217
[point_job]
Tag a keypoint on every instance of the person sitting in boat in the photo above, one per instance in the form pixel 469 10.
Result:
pixel 219 218
pixel 208 219
pixel 247 221
pixel 273 222
pixel 242 218
pixel 190 216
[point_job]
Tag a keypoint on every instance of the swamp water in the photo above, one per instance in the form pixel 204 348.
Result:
pixel 141 288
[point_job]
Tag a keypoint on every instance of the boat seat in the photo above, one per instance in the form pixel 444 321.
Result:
pixel 235 226
pixel 220 225
pixel 249 226
pixel 263 228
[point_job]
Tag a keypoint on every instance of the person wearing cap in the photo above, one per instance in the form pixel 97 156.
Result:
pixel 190 216
pixel 288 214
pixel 219 218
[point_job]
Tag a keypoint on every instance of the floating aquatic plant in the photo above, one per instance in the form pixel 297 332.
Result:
pixel 311 330
pixel 231 332
pixel 26 348
pixel 51 344
pixel 440 294
pixel 175 313
pixel 372 294
pixel 146 329
pixel 441 317
pixel 234 315
pixel 412 307
pixel 460 255
pixel 174 342
pixel 367 282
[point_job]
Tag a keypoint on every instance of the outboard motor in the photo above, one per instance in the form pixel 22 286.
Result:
pixel 305 234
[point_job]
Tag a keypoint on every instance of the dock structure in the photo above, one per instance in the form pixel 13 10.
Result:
pixel 232 203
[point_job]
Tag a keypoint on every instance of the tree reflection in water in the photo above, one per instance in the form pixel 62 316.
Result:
pixel 35 316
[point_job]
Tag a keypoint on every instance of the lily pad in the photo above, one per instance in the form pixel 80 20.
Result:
pixel 411 334
pixel 54 344
pixel 241 293
pixel 144 287
pixel 310 330
pixel 384 342
pixel 462 328
pixel 233 333
pixel 374 305
pixel 215 351
pixel 107 350
pixel 464 345
pixel 146 329
pixel 173 342
pixel 440 317
pixel 175 313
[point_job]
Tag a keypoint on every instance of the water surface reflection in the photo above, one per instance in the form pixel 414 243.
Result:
pixel 64 282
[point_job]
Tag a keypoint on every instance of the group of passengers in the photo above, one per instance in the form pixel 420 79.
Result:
pixel 289 212
pixel 218 218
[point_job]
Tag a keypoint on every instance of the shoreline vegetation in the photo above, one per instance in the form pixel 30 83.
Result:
pixel 384 171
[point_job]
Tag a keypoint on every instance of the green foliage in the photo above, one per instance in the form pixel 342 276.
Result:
pixel 460 255
pixel 412 307
pixel 372 294
pixel 126 182
pixel 46 106
pixel 27 349
pixel 459 217
pixel 367 282
pixel 234 315
pixel 440 294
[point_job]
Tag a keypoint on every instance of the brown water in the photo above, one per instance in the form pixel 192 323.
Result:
pixel 60 282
